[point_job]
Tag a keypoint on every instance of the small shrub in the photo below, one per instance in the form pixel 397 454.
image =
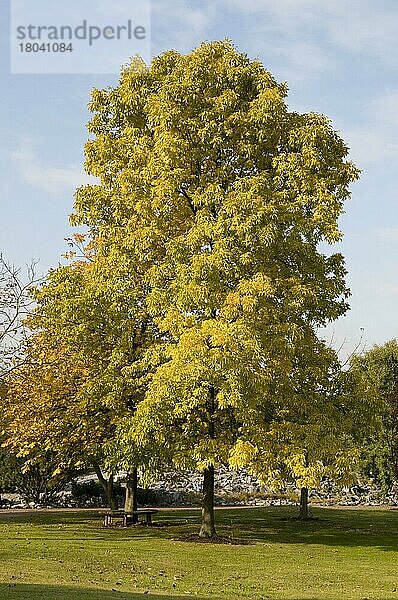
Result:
pixel 92 493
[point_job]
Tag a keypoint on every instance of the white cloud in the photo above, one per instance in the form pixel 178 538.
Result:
pixel 304 37
pixel 387 234
pixel 124 9
pixel 178 24
pixel 50 178
pixel 366 27
pixel 362 26
pixel 370 144
pixel 298 61
pixel 389 289
pixel 284 8
pixel 289 34
pixel 377 140
pixel 291 17
pixel 384 108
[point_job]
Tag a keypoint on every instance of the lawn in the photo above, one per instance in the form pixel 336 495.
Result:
pixel 342 554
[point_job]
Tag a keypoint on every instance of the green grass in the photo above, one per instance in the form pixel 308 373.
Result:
pixel 343 554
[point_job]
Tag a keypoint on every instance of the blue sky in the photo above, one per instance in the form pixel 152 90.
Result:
pixel 339 58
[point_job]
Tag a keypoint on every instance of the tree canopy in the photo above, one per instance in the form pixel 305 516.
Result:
pixel 378 371
pixel 185 335
pixel 213 199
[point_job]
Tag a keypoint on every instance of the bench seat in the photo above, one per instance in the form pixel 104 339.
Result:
pixel 129 518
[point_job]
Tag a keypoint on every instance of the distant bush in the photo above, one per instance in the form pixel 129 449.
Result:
pixel 92 493
pixel 147 497
pixel 35 482
pixel 376 463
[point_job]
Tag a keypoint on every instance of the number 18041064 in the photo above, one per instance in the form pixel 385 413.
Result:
pixel 45 47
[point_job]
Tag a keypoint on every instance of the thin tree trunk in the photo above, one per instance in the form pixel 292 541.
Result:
pixel 303 512
pixel 110 493
pixel 208 529
pixel 107 486
pixel 131 501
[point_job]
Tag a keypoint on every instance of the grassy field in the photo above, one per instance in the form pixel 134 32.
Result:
pixel 342 554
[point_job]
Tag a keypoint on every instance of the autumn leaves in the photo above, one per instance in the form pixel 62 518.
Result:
pixel 186 335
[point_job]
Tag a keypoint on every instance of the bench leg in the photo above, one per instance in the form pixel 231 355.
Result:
pixel 149 519
pixel 129 520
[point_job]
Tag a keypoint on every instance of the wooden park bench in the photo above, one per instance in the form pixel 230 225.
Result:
pixel 129 518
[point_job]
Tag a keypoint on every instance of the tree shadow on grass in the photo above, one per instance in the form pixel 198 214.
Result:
pixel 51 516
pixel 54 592
pixel 351 527
pixel 335 527
pixel 330 526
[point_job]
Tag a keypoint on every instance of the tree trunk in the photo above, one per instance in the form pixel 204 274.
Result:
pixel 207 529
pixel 131 501
pixel 110 493
pixel 107 486
pixel 303 513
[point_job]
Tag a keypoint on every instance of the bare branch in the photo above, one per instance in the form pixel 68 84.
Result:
pixel 16 303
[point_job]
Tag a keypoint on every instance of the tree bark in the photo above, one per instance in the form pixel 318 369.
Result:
pixel 107 486
pixel 110 493
pixel 303 512
pixel 208 529
pixel 131 501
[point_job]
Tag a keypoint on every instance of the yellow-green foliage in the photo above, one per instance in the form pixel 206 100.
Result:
pixel 207 282
pixel 214 197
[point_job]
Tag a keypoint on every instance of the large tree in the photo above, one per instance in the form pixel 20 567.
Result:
pixel 217 197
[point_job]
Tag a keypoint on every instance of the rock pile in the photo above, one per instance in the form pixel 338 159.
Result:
pixel 234 488
pixel 239 487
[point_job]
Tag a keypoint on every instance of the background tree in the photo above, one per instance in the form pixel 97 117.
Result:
pixel 220 197
pixel 84 378
pixel 39 482
pixel 378 369
pixel 316 434
pixel 47 405
pixel 16 303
